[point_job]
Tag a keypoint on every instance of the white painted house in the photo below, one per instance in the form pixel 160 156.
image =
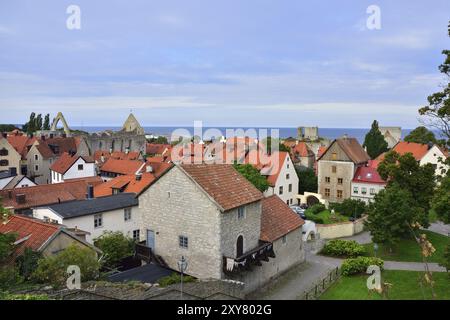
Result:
pixel 9 179
pixel 366 184
pixel 71 166
pixel 95 215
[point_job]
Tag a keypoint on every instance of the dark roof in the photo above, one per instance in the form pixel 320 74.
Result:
pixel 149 273
pixel 6 174
pixel 86 207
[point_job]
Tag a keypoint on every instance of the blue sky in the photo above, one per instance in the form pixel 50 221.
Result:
pixel 227 63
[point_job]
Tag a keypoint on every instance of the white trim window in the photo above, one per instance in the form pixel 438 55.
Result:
pixel 136 235
pixel 98 221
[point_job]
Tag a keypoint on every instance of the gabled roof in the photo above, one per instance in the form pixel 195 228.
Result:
pixel 157 148
pixel 321 151
pixel 301 149
pixel 78 208
pixel 47 194
pixel 367 174
pixel 418 150
pixel 66 161
pixel 227 187
pixel 124 167
pixel 352 148
pixel 21 143
pixel 33 232
pixel 270 166
pixel 277 219
pixel 100 155
pixel 130 183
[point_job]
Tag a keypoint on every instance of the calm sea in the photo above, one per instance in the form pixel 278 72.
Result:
pixel 330 133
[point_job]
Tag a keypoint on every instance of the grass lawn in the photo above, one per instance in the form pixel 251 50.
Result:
pixel 408 249
pixel 326 217
pixel 405 286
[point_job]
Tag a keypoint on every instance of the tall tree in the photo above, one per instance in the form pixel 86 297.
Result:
pixel 39 122
pixel 46 122
pixel 390 215
pixel 253 175
pixel 419 181
pixel 437 111
pixel 307 180
pixel 421 135
pixel 441 199
pixel 374 141
pixel 30 126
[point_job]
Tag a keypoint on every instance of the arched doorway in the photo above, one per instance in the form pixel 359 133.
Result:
pixel 240 246
pixel 312 200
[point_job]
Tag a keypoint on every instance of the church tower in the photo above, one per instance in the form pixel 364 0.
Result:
pixel 132 125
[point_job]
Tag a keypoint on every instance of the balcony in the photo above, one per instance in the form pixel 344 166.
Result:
pixel 248 260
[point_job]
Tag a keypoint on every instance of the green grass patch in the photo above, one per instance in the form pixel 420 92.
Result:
pixel 409 250
pixel 405 286
pixel 325 217
pixel 174 278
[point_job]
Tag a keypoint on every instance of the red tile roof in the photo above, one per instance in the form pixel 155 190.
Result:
pixel 157 148
pixel 301 150
pixel 46 194
pixel 36 232
pixel 129 183
pixel 21 143
pixel 269 165
pixel 277 219
pixel 367 175
pixel 321 150
pixel 418 150
pixel 100 155
pixel 122 167
pixel 66 161
pixel 224 184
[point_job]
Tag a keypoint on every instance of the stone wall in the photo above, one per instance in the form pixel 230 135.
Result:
pixel 339 230
pixel 117 141
pixel 344 170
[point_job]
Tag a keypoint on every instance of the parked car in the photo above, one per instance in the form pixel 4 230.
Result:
pixel 304 206
pixel 298 210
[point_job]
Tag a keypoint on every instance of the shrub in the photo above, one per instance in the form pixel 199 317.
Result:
pixel 446 261
pixel 53 269
pixel 9 277
pixel 173 279
pixel 28 262
pixel 359 265
pixel 8 296
pixel 350 208
pixel 115 247
pixel 317 208
pixel 343 248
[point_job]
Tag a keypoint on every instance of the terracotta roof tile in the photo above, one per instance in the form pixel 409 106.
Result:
pixel 66 161
pixel 277 219
pixel 367 175
pixel 123 167
pixel 21 143
pixel 224 184
pixel 157 148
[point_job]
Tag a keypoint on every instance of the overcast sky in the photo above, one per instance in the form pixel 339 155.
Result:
pixel 225 62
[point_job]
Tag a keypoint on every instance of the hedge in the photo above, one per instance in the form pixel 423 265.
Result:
pixel 359 265
pixel 343 248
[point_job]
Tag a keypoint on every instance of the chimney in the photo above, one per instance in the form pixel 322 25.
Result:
pixel 90 192
pixel 13 171
pixel 20 198
pixel 110 150
pixel 138 176
pixel 148 169
pixel 127 150
pixel 51 135
pixel 43 137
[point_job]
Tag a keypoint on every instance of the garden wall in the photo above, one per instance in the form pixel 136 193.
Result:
pixel 340 229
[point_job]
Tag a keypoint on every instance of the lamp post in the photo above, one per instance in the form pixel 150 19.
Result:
pixel 375 249
pixel 182 266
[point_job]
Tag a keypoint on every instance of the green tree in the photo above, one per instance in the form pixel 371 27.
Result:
pixel 418 181
pixel 115 247
pixel 446 261
pixel 374 141
pixel 30 126
pixel 159 140
pixel 38 122
pixel 268 145
pixel 6 245
pixel 27 263
pixel 437 111
pixel 441 199
pixel 421 135
pixel 350 208
pixel 307 180
pixel 53 269
pixel 253 175
pixel 46 125
pixel 390 215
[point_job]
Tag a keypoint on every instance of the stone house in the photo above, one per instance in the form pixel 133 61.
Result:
pixel 21 144
pixel 337 166
pixel 213 216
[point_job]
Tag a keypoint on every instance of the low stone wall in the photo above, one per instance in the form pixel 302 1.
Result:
pixel 341 229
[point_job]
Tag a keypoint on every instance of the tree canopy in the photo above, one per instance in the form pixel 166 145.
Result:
pixel 307 180
pixel 374 141
pixel 253 175
pixel 115 247
pixel 421 135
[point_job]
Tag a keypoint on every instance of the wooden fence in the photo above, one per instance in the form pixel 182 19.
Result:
pixel 320 286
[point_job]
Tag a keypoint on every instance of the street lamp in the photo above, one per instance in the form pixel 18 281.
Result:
pixel 375 249
pixel 182 266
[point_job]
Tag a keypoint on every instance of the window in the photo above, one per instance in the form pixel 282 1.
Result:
pixel 4 163
pixel 333 169
pixel 280 190
pixel 287 165
pixel 183 242
pixel 334 156
pixel 355 190
pixel 127 214
pixel 327 179
pixel 98 221
pixel 372 191
pixel 241 212
pixel 327 192
pixel 80 167
pixel 287 176
pixel 290 187
pixel 363 190
pixel 287 202
pixel 283 239
pixel 339 194
pixel 36 168
pixel 340 181
pixel 291 201
pixel 3 152
pixel 136 235
pixel 36 157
